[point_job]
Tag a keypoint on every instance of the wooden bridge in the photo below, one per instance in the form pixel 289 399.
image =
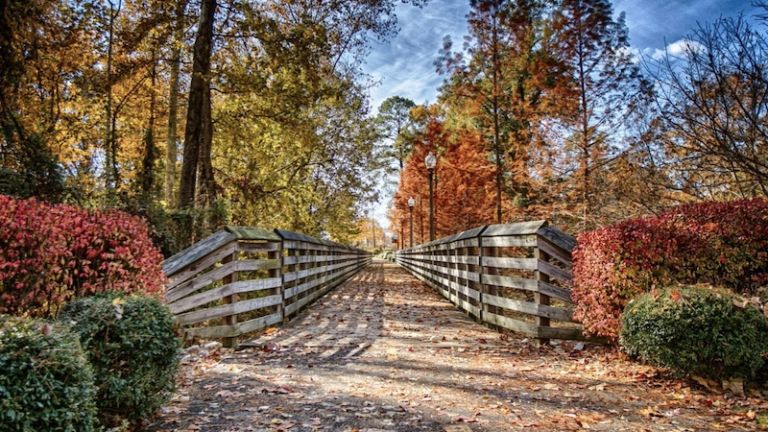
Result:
pixel 331 340
pixel 241 280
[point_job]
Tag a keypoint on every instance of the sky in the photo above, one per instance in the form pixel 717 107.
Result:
pixel 404 65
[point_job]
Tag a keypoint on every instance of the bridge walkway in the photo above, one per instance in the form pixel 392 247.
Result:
pixel 383 352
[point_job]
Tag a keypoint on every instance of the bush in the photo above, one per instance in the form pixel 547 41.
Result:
pixel 133 349
pixel 696 331
pixel 52 253
pixel 46 383
pixel 724 244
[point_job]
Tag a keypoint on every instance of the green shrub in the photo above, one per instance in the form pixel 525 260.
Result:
pixel 696 331
pixel 134 351
pixel 46 383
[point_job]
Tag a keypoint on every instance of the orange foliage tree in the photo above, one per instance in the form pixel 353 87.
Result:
pixel 464 184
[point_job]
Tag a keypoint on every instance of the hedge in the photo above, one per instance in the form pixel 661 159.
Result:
pixel 52 253
pixel 46 383
pixel 131 344
pixel 719 243
pixel 696 331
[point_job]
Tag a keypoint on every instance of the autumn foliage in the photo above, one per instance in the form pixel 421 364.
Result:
pixel 719 243
pixel 464 195
pixel 52 253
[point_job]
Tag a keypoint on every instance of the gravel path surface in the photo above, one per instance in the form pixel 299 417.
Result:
pixel 383 352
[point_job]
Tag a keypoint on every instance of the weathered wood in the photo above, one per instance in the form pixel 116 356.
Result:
pixel 451 265
pixel 202 264
pixel 554 271
pixel 232 288
pixel 188 256
pixel 217 274
pixel 510 263
pixel 516 241
pixel 540 310
pixel 227 309
pixel 519 228
pixel 558 238
pixel 555 252
pixel 229 331
pixel 508 323
pixel 511 282
pixel 542 300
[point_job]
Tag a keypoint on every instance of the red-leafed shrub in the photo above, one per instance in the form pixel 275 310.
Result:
pixel 719 243
pixel 52 253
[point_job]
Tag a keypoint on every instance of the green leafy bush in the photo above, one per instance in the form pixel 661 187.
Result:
pixel 697 331
pixel 46 383
pixel 134 351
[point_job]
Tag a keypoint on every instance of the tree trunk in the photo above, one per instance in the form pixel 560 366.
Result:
pixel 150 151
pixel 207 184
pixel 110 144
pixel 496 126
pixel 199 96
pixel 173 106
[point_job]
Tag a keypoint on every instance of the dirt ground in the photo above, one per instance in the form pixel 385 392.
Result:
pixel 383 352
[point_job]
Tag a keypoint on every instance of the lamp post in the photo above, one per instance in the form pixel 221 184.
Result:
pixel 411 203
pixel 431 161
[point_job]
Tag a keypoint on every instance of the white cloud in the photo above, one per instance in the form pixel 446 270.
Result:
pixel 677 49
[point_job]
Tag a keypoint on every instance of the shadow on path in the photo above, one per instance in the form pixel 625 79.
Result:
pixel 383 352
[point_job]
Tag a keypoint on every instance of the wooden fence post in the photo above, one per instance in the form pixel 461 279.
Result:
pixel 278 273
pixel 230 320
pixel 481 272
pixel 538 297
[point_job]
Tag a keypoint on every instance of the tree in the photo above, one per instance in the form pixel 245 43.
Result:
pixel 199 127
pixel 482 77
pixel 171 144
pixel 713 107
pixel 608 87
pixel 394 121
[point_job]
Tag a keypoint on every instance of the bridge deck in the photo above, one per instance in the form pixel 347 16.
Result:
pixel 385 353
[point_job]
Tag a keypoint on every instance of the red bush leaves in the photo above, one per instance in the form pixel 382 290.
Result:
pixel 718 243
pixel 49 254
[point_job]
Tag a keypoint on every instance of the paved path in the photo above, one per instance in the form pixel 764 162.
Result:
pixel 385 353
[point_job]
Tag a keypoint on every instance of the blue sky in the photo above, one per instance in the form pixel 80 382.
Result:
pixel 403 66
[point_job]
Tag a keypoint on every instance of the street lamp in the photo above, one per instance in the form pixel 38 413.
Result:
pixel 431 162
pixel 411 203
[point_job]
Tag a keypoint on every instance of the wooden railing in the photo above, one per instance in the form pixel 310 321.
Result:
pixel 241 279
pixel 515 276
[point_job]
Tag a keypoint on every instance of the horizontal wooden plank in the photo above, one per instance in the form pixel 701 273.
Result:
pixel 258 246
pixel 453 259
pixel 554 291
pixel 217 274
pixel 510 263
pixel 216 294
pixel 569 333
pixel 227 309
pixel 555 252
pixel 253 233
pixel 529 308
pixel 202 264
pixel 196 252
pixel 511 282
pixel 560 239
pixel 312 283
pixel 511 241
pixel 518 228
pixel 555 272
pixel 300 274
pixel 508 323
pixel 447 271
pixel 303 259
pixel 293 307
pixel 238 329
